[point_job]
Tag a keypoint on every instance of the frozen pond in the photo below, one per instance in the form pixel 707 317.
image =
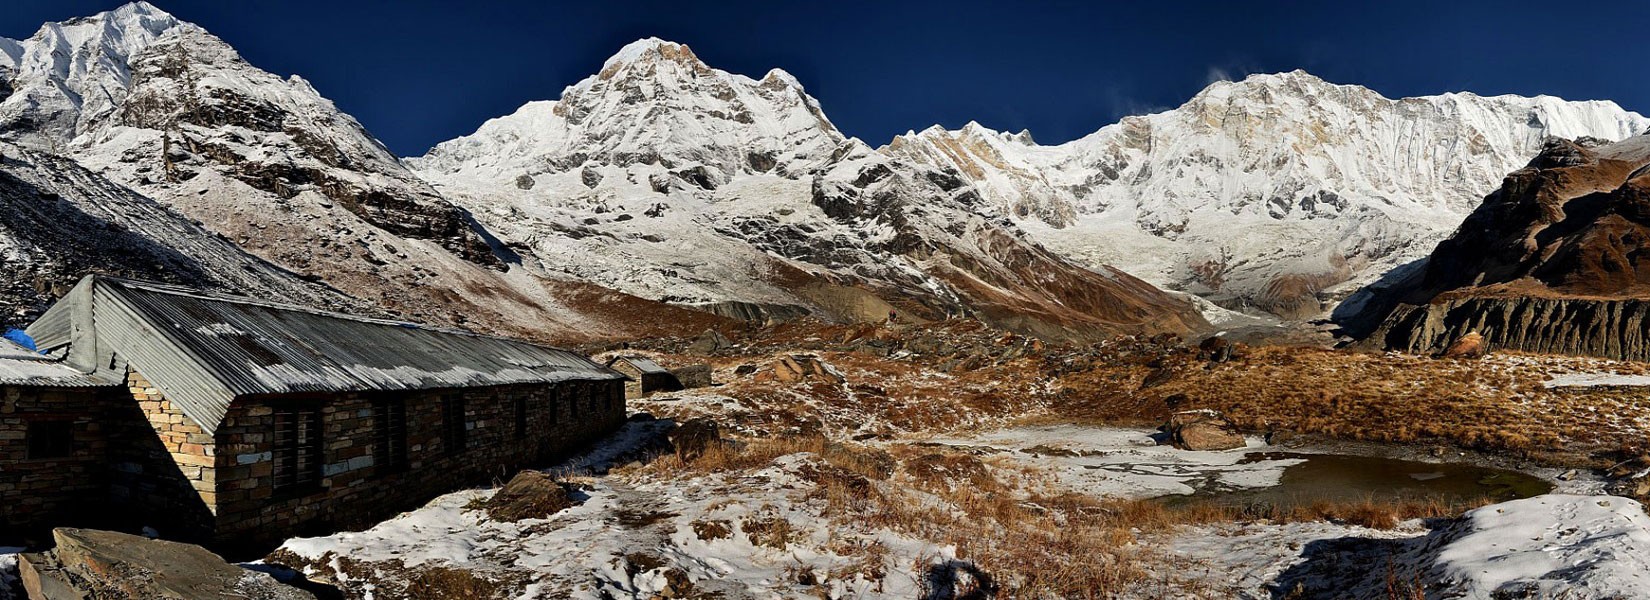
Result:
pixel 1127 463
pixel 1346 478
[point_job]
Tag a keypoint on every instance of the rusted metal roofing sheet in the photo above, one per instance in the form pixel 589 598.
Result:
pixel 20 366
pixel 204 350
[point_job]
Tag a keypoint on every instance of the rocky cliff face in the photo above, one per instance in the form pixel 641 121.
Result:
pixel 666 178
pixel 1551 262
pixel 1280 193
pixel 1617 329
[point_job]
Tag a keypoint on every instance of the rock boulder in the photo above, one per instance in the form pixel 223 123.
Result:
pixel 89 564
pixel 797 367
pixel 1469 346
pixel 1202 430
pixel 693 438
pixel 529 495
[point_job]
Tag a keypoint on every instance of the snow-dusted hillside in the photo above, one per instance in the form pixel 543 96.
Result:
pixel 1275 192
pixel 174 114
pixel 665 178
pixel 60 221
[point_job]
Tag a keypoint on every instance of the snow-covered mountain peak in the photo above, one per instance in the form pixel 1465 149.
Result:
pixel 642 57
pixel 74 46
pixel 75 71
pixel 1271 190
pixel 653 103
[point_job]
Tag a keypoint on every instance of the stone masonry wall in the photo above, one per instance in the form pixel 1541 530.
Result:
pixel 38 491
pixel 355 492
pixel 162 463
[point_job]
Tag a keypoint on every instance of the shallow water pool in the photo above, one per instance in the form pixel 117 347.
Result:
pixel 1345 478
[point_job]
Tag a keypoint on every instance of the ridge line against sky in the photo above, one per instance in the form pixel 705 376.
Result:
pixel 420 72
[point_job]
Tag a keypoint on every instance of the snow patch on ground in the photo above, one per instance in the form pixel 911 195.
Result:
pixel 1597 380
pixel 607 547
pixel 1123 462
pixel 1552 546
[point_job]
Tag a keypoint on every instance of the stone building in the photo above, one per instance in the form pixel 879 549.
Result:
pixel 645 376
pixel 52 442
pixel 238 421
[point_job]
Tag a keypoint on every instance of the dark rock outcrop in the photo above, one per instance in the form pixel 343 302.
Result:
pixel 1554 261
pixel 695 437
pixel 1609 328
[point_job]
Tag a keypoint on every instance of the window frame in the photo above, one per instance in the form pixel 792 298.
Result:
pixel 389 435
pixel 455 424
pixel 297 448
pixel 35 431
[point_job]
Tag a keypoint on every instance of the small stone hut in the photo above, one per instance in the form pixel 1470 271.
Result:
pixel 237 421
pixel 645 376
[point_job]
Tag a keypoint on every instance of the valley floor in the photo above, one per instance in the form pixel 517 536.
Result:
pixel 954 462
pixel 941 518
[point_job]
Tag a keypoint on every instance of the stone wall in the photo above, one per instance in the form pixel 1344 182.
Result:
pixel 353 491
pixel 162 462
pixel 131 463
pixel 41 492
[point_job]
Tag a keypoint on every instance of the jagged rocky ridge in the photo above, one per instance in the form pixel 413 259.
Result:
pixel 1281 193
pixel 666 178
pixel 1551 262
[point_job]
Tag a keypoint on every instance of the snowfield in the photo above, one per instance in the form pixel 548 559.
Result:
pixel 1548 546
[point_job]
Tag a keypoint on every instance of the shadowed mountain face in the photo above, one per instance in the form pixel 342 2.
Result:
pixel 1553 261
pixel 59 221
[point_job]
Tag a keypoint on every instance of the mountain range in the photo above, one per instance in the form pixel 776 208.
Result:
pixel 663 196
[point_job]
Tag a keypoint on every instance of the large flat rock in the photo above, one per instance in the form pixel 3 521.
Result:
pixel 89 563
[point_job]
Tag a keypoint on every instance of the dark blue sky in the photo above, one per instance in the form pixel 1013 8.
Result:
pixel 417 72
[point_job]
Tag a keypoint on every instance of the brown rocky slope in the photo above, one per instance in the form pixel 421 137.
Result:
pixel 1554 261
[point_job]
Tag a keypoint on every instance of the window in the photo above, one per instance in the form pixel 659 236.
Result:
pixel 454 427
pixel 51 439
pixel 521 418
pixel 575 392
pixel 389 448
pixel 555 405
pixel 297 448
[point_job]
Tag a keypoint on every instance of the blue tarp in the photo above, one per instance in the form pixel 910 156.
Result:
pixel 22 339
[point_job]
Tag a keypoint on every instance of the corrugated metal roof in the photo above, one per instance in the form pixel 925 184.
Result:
pixel 20 366
pixel 204 350
pixel 644 364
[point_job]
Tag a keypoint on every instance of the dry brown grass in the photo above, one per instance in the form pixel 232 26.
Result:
pixel 1033 540
pixel 1495 405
